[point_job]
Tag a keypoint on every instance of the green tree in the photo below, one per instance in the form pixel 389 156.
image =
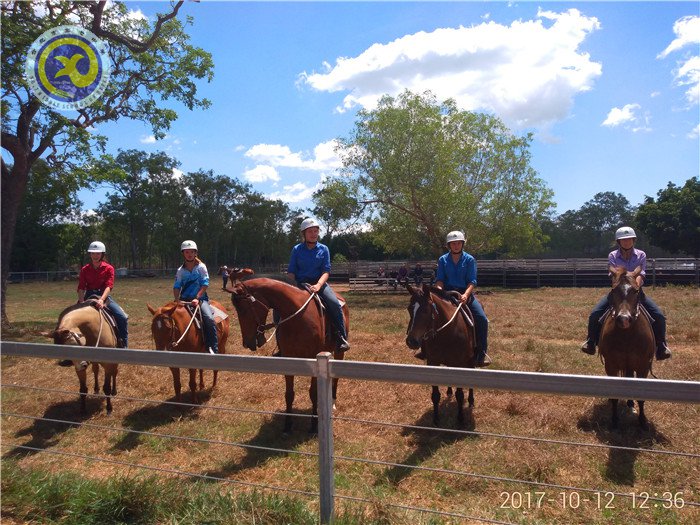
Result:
pixel 418 169
pixel 151 64
pixel 672 220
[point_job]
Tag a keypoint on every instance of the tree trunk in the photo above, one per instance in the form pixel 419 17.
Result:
pixel 14 183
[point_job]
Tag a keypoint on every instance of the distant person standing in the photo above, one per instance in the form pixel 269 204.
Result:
pixel 223 271
pixel 418 274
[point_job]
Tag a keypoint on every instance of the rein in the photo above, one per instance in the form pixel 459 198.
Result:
pixel 433 332
pixel 194 314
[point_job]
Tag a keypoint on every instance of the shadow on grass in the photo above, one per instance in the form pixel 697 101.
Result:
pixel 150 417
pixel 269 436
pixel 28 331
pixel 45 434
pixel 620 465
pixel 428 442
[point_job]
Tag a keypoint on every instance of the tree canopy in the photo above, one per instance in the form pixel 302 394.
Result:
pixel 152 63
pixel 672 220
pixel 414 169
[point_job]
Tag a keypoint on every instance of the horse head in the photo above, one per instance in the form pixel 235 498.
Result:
pixel 236 274
pixel 423 313
pixel 163 327
pixel 625 296
pixel 64 336
pixel 252 314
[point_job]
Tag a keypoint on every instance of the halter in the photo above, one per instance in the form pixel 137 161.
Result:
pixel 261 327
pixel 633 311
pixel 173 326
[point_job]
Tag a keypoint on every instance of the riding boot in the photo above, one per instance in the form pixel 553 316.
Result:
pixel 277 353
pixel 483 360
pixel 342 345
pixel 588 347
pixel 662 351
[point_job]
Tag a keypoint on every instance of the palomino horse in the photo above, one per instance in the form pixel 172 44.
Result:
pixel 445 335
pixel 301 331
pixel 82 324
pixel 626 339
pixel 173 329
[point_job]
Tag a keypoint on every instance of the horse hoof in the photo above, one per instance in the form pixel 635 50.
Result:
pixel 334 408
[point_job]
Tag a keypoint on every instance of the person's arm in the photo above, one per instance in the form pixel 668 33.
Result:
pixel 199 295
pixel 319 284
pixel 471 279
pixel 203 276
pixel 440 275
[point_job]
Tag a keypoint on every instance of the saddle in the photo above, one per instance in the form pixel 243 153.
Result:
pixel 466 314
pixel 327 324
pixel 219 315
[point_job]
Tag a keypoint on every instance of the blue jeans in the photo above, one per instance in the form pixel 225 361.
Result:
pixel 210 338
pixel 658 326
pixel 120 316
pixel 481 323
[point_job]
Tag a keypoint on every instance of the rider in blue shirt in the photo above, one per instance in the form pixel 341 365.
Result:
pixel 456 270
pixel 310 264
pixel 630 257
pixel 191 283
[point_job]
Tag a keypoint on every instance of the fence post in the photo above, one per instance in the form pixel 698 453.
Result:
pixel 325 437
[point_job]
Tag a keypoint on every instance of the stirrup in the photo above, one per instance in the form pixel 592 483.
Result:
pixel 662 352
pixel 483 360
pixel 588 347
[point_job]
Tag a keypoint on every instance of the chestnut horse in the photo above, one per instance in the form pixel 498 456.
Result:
pixel 446 337
pixel 83 325
pixel 626 340
pixel 301 331
pixel 172 329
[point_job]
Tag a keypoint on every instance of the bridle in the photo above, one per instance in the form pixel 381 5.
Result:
pixel 261 327
pixel 173 328
pixel 434 316
pixel 634 312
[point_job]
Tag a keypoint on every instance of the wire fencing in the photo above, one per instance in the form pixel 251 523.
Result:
pixel 325 370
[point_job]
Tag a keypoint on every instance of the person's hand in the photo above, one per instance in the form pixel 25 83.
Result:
pixel 99 304
pixel 314 288
pixel 194 302
pixel 465 297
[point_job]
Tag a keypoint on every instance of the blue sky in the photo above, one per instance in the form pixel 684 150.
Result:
pixel 610 90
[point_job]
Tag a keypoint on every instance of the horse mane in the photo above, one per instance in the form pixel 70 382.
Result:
pixel 72 308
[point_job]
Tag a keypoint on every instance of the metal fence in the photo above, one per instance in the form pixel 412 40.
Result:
pixel 325 369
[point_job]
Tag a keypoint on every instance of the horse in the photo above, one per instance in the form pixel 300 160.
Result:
pixel 301 332
pixel 626 340
pixel 172 329
pixel 444 334
pixel 82 324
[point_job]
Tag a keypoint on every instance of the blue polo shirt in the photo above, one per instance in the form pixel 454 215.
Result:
pixel 189 282
pixel 456 276
pixel 308 265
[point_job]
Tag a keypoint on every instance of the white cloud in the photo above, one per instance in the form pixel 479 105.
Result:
pixel 687 30
pixel 619 116
pixel 323 157
pixel 261 173
pixel 177 174
pixel 150 139
pixel 694 133
pixel 296 192
pixel 527 73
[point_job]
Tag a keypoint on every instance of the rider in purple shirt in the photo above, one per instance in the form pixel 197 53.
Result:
pixel 628 256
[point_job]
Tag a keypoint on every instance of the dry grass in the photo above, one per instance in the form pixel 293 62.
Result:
pixel 530 330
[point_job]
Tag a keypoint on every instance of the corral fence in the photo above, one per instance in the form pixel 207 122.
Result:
pixel 325 369
pixel 520 273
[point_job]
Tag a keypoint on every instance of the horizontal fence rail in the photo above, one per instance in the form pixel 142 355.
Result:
pixel 325 369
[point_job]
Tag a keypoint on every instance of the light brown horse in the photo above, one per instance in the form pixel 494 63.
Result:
pixel 82 324
pixel 301 331
pixel 626 339
pixel 170 324
pixel 445 336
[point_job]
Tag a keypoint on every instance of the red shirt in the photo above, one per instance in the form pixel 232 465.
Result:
pixel 96 279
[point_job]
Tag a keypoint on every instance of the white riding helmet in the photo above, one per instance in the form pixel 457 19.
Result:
pixel 454 236
pixel 96 247
pixel 188 245
pixel 308 223
pixel 625 233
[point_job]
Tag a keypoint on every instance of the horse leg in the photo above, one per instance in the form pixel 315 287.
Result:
pixel 449 392
pixel 642 417
pixel 95 372
pixel 213 384
pixel 335 390
pixel 82 377
pixel 107 389
pixel 435 396
pixel 289 400
pixel 313 394
pixel 201 379
pixel 613 403
pixel 459 395
pixel 470 398
pixel 193 385
pixel 176 383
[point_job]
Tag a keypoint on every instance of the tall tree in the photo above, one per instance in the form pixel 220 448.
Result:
pixel 151 63
pixel 672 220
pixel 420 169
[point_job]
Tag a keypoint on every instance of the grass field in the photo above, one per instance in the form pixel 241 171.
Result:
pixel 530 330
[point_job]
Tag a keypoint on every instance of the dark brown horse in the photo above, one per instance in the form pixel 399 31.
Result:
pixel 172 330
pixel 300 332
pixel 445 335
pixel 626 339
pixel 84 325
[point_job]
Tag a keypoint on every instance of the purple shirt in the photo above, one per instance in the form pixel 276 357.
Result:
pixel 638 258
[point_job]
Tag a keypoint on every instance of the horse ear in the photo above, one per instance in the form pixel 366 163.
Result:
pixel 151 309
pixel 236 273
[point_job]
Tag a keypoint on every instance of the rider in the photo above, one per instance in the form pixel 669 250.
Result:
pixel 310 263
pixel 629 257
pixel 191 283
pixel 456 270
pixel 97 280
